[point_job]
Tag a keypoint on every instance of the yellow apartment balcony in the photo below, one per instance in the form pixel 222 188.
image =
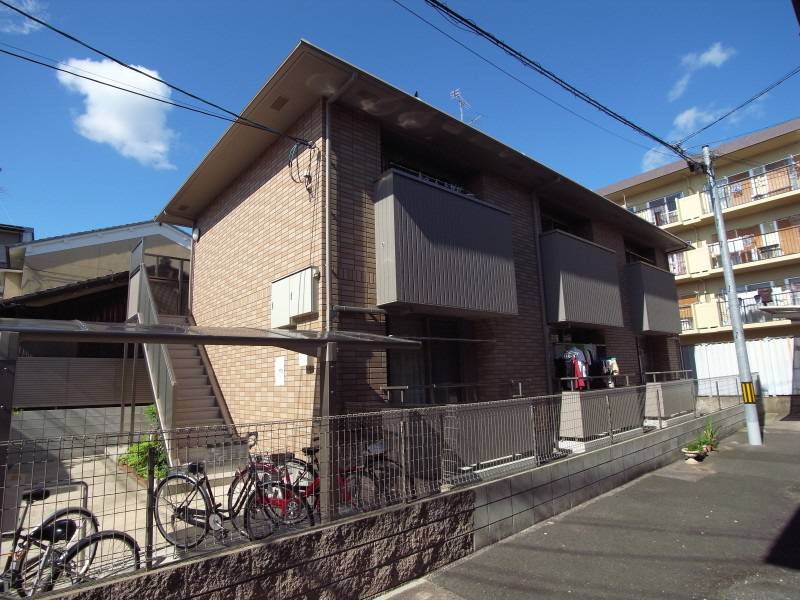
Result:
pixel 772 185
pixel 712 315
pixel 748 252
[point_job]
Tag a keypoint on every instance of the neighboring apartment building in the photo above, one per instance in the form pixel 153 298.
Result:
pixel 436 232
pixel 10 235
pixel 759 190
pixel 38 265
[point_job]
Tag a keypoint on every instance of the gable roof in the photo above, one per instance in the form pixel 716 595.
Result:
pixel 103 235
pixel 310 74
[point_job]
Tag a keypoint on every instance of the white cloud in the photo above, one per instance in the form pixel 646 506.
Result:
pixel 679 87
pixel 13 22
pixel 683 124
pixel 135 127
pixel 715 56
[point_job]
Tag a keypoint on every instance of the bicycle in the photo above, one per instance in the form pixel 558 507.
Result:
pixel 68 542
pixel 377 481
pixel 185 506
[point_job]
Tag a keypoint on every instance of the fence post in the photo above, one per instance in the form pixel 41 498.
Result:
pixel 151 476
pixel 403 466
pixel 610 420
pixel 660 407
pixel 719 400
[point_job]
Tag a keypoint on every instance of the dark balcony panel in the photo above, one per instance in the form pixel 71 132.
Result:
pixel 581 281
pixel 653 299
pixel 441 250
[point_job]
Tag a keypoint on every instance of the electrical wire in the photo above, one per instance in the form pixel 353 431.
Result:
pixel 521 81
pixel 750 100
pixel 238 118
pixel 53 61
pixel 123 89
pixel 548 74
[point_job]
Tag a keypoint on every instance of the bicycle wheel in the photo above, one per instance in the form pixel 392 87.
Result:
pixel 259 518
pixel 391 483
pixel 113 553
pixel 288 505
pixel 181 511
pixel 30 575
pixel 360 492
pixel 236 502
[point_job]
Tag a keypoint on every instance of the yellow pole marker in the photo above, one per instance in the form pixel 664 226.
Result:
pixel 748 392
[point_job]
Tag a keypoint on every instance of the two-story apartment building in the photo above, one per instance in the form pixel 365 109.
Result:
pixel 378 212
pixel 760 194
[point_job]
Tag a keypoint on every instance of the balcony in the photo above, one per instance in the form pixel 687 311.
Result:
pixel 749 251
pixel 581 281
pixel 773 183
pixel 440 251
pixel 713 315
pixel 652 296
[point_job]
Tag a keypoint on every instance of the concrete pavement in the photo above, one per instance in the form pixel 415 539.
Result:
pixel 728 528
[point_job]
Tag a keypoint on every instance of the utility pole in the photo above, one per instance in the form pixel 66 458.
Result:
pixel 745 377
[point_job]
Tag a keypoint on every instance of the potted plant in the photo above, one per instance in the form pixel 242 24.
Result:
pixel 708 437
pixel 694 452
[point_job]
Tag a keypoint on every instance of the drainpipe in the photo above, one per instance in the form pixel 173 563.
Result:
pixel 330 100
pixel 327 500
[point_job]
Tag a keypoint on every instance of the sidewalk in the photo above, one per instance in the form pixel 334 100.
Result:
pixel 728 528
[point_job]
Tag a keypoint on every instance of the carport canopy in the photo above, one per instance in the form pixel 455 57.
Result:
pixel 306 342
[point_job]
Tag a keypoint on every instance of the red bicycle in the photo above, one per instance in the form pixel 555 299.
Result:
pixel 376 481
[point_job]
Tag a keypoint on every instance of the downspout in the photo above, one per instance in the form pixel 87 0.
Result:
pixel 328 354
pixel 328 101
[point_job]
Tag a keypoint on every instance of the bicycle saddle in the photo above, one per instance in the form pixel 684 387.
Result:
pixel 36 495
pixel 309 450
pixel 195 468
pixel 57 531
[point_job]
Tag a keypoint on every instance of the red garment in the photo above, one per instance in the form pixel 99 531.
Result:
pixel 580 382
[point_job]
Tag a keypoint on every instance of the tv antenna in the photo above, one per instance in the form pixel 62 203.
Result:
pixel 462 102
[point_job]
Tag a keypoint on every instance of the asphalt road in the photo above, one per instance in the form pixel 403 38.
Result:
pixel 728 528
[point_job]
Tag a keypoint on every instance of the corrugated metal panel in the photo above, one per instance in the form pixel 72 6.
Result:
pixel 437 248
pixel 653 298
pixel 61 382
pixel 581 281
pixel 776 360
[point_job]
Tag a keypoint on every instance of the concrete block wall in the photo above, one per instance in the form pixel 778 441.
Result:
pixel 363 556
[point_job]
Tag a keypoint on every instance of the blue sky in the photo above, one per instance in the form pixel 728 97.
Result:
pixel 73 158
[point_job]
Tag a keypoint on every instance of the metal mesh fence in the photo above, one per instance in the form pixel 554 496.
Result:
pixel 81 508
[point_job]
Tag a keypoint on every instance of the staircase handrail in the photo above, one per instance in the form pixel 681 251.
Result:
pixel 159 364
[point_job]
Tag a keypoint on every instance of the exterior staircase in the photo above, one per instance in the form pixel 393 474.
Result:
pixel 196 404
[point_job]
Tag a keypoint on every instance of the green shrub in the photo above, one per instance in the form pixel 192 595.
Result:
pixel 708 437
pixel 136 456
pixel 695 446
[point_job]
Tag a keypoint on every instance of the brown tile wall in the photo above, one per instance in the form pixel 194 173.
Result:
pixel 262 227
pixel 356 165
pixel 518 352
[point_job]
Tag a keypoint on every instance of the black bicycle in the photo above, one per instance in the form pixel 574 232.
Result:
pixel 185 507
pixel 67 545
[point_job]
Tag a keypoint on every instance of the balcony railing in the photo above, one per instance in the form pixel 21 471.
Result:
pixel 750 308
pixel 772 182
pixel 687 318
pixel 659 216
pixel 759 246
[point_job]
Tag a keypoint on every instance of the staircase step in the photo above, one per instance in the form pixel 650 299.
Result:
pixel 180 362
pixel 173 320
pixel 186 392
pixel 193 412
pixel 190 402
pixel 200 421
pixel 196 381
pixel 182 373
pixel 179 351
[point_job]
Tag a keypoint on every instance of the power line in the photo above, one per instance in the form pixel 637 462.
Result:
pixel 123 89
pixel 541 70
pixel 750 100
pixel 521 81
pixel 238 118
